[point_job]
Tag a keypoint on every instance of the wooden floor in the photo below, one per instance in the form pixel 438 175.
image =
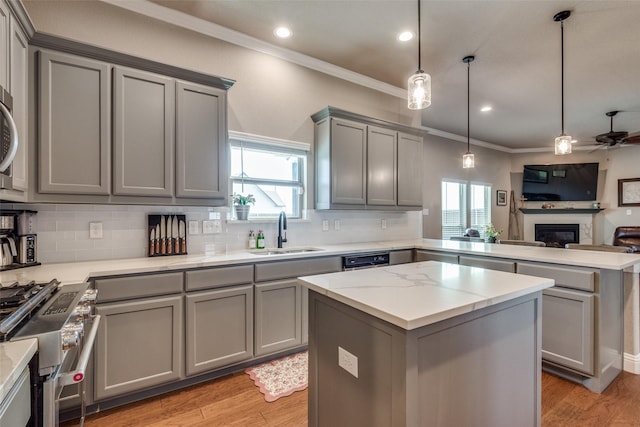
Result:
pixel 235 401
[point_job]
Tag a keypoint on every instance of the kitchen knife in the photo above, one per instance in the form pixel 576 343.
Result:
pixel 169 241
pixel 163 236
pixel 182 233
pixel 152 242
pixel 174 235
pixel 157 251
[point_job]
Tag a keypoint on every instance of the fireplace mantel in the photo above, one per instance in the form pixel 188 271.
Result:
pixel 562 211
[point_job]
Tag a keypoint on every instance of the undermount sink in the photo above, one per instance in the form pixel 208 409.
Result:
pixel 281 251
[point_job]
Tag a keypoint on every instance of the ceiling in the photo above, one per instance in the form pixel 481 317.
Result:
pixel 516 44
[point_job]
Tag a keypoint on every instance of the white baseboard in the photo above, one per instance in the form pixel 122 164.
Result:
pixel 632 363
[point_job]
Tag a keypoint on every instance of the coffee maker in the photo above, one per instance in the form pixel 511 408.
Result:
pixel 17 239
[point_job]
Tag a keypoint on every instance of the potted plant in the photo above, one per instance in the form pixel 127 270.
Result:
pixel 491 233
pixel 242 204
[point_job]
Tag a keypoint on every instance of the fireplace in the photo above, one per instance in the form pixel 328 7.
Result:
pixel 556 235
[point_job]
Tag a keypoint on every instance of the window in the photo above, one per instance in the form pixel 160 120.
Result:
pixel 465 205
pixel 272 170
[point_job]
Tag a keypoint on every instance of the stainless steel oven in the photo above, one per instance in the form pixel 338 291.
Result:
pixel 8 139
pixel 62 319
pixel 354 262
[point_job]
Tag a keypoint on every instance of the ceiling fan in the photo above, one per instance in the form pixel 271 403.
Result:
pixel 612 137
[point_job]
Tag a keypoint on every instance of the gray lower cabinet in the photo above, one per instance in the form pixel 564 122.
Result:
pixel 15 408
pixel 74 106
pixel 201 136
pixel 140 342
pixel 143 136
pixel 278 311
pixel 219 328
pixel 401 257
pixel 568 316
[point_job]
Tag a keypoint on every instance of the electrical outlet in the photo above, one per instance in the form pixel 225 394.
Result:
pixel 208 227
pixel 336 224
pixel 217 226
pixel 628 211
pixel 383 223
pixel 348 361
pixel 193 227
pixel 325 225
pixel 425 211
pixel 95 230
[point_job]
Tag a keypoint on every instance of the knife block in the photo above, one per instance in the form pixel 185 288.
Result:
pixel 166 235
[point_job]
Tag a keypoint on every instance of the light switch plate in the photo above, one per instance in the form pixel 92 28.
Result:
pixel 193 227
pixel 325 225
pixel 383 223
pixel 336 224
pixel 208 227
pixel 95 230
pixel 348 361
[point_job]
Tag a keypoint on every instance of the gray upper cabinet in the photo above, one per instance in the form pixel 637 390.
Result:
pixel 409 170
pixel 74 109
pixel 201 129
pixel 366 163
pixel 341 173
pixel 381 166
pixel 143 142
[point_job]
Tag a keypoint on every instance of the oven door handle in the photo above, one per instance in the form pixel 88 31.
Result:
pixel 77 375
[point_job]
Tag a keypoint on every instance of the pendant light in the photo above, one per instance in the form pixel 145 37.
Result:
pixel 420 82
pixel 563 142
pixel 468 160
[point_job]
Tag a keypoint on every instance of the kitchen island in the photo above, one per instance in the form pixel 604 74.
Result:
pixel 424 344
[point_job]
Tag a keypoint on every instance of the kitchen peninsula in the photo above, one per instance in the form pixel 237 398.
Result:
pixel 426 343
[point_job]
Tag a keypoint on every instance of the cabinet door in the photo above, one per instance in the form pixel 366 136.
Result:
pixel 74 106
pixel 201 167
pixel 15 409
pixel 139 345
pixel 568 328
pixel 4 45
pixel 219 328
pixel 278 316
pixel 144 105
pixel 381 166
pixel 19 47
pixel 348 162
pixel 409 170
pixel 400 257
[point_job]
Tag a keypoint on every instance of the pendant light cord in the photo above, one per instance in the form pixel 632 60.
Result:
pixel 468 104
pixel 562 71
pixel 419 38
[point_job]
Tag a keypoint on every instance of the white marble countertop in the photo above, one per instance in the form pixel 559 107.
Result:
pixel 14 357
pixel 81 271
pixel 414 295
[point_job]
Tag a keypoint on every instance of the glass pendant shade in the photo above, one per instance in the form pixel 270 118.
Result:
pixel 563 145
pixel 468 161
pixel 419 90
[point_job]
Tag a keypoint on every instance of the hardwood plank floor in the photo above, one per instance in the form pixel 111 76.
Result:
pixel 235 401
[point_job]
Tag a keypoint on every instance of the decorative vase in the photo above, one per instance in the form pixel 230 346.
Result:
pixel 242 212
pixel 491 239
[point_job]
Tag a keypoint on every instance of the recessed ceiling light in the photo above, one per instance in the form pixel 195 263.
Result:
pixel 405 36
pixel 282 32
pixel 486 108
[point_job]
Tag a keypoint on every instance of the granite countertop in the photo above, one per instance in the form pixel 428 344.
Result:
pixel 414 295
pixel 81 271
pixel 14 357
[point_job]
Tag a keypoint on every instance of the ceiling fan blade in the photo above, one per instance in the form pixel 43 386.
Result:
pixel 633 138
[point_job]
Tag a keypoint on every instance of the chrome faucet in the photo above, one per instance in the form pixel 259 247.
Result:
pixel 282 227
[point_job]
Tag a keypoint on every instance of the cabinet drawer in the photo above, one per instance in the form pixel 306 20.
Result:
pixel 583 279
pixel 218 277
pixel 400 257
pixel 127 287
pixel 302 267
pixel 436 256
pixel 490 264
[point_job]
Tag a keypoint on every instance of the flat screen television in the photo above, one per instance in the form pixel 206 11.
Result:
pixel 560 182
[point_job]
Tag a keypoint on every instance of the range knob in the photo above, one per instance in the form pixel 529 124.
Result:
pixel 82 312
pixel 89 297
pixel 70 339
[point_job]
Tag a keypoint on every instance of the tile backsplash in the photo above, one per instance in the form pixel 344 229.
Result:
pixel 63 230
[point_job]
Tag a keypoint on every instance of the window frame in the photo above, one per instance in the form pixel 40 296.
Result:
pixel 273 145
pixel 465 201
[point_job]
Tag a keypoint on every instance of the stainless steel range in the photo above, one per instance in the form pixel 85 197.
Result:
pixel 62 319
